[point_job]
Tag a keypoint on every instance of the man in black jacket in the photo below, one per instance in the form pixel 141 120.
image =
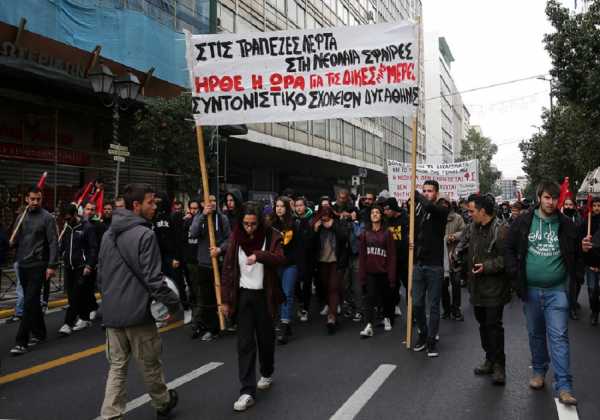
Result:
pixel 79 249
pixel 481 252
pixel 428 272
pixel 542 254
pixel 37 258
pixel 129 276
pixel 592 271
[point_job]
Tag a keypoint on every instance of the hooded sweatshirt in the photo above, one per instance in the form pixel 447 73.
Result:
pixel 128 287
pixel 162 227
pixel 545 265
pixel 199 230
pixel 377 255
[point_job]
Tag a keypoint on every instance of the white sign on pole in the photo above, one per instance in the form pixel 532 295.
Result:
pixel 119 159
pixel 118 152
pixel 344 72
pixel 118 147
pixel 457 180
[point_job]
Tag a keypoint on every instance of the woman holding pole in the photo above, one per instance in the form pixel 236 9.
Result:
pixel 250 289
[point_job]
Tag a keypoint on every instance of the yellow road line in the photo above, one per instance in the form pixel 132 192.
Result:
pixel 67 359
pixel 5 313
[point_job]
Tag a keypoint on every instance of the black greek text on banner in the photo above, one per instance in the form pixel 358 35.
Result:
pixel 345 72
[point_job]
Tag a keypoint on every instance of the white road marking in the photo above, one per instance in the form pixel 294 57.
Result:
pixel 363 394
pixel 566 412
pixel 177 382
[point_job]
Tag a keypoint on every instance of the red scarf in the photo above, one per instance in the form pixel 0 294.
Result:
pixel 248 244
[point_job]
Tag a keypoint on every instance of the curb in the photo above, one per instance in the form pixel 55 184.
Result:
pixel 58 303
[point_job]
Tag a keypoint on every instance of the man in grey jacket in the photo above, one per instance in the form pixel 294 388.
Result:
pixel 37 258
pixel 129 277
pixel 204 309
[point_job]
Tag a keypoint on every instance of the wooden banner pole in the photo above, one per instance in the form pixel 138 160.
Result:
pixel 18 226
pixel 211 223
pixel 413 188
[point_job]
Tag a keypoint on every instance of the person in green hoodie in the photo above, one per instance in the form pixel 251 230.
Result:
pixel 541 256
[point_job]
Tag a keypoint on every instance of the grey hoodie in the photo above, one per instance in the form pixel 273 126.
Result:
pixel 125 300
pixel 199 230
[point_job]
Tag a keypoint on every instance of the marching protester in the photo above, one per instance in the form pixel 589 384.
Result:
pixel 481 252
pixel 107 215
pixel 377 270
pixel 250 288
pixel 451 302
pixel 541 256
pixel 428 273
pixel 569 209
pixel 88 292
pixel 233 206
pixel 397 221
pixel 130 276
pixel 286 225
pixel 166 236
pixel 515 211
pixel 79 249
pixel 189 258
pixel 36 241
pixel 592 271
pixel 304 216
pixel 332 254
pixel 204 312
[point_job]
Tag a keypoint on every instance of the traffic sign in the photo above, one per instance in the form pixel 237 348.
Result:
pixel 355 180
pixel 118 152
pixel 119 147
pixel 119 159
pixel 362 172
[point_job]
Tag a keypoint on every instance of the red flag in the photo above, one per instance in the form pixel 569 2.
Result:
pixel 42 181
pixel 564 193
pixel 100 202
pixel 84 194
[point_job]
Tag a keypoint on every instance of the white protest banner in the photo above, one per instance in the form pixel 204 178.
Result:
pixel 457 180
pixel 345 72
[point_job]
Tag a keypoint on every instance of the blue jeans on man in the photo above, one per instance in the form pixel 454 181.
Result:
pixel 427 282
pixel 547 314
pixel 20 295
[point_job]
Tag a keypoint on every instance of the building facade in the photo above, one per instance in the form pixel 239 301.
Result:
pixel 321 152
pixel 447 118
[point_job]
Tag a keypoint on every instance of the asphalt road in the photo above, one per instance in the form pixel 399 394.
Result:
pixel 316 375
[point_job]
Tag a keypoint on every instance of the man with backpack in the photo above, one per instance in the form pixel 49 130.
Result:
pixel 129 276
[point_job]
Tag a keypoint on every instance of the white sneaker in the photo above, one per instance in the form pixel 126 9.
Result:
pixel 303 316
pixel 325 310
pixel 264 383
pixel 81 325
pixel 187 317
pixel 387 325
pixel 398 311
pixel 243 403
pixel 93 315
pixel 65 330
pixel 367 332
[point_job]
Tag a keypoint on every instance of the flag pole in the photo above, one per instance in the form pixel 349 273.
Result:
pixel 413 187
pixel 18 226
pixel 590 190
pixel 210 221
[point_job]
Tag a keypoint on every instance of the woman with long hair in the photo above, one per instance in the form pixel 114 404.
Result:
pixel 250 289
pixel 377 270
pixel 332 256
pixel 285 223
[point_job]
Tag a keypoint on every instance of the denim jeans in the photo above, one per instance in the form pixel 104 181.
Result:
pixel 592 279
pixel 547 314
pixel 288 284
pixel 427 282
pixel 20 295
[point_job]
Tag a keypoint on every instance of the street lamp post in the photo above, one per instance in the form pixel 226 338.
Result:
pixel 550 82
pixel 122 91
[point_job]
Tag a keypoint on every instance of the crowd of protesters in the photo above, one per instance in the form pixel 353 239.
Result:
pixel 344 258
